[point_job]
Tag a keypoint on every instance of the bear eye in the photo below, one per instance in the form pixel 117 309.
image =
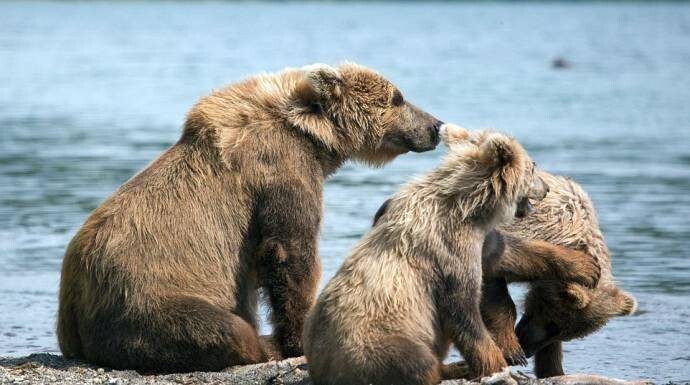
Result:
pixel 315 108
pixel 397 100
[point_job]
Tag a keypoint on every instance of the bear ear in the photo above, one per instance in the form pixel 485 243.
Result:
pixel 321 83
pixel 499 151
pixel 577 296
pixel 452 134
pixel 626 304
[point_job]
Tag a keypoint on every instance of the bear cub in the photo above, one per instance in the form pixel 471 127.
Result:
pixel 412 285
pixel 560 250
pixel 556 310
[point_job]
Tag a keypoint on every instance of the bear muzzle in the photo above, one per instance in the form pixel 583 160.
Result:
pixel 533 337
pixel 433 138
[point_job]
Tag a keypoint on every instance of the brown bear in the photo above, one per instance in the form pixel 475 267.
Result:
pixel 508 257
pixel 412 285
pixel 561 250
pixel 557 311
pixel 163 276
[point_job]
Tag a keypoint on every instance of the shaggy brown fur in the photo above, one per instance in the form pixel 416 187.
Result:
pixel 163 276
pixel 507 258
pixel 561 249
pixel 412 284
pixel 555 310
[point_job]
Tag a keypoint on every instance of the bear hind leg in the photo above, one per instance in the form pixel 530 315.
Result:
pixel 68 332
pixel 395 364
pixel 391 360
pixel 185 334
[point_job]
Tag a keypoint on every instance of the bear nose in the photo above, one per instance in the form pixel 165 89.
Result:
pixel 435 130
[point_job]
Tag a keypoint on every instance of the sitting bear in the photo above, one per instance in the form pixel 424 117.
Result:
pixel 412 285
pixel 164 275
pixel 560 249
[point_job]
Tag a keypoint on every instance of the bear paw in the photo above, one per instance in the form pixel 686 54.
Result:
pixel 583 269
pixel 515 356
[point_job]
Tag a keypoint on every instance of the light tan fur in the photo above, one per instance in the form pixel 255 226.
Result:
pixel 557 311
pixel 559 248
pixel 411 286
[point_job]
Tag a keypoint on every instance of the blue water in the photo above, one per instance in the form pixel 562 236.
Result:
pixel 91 92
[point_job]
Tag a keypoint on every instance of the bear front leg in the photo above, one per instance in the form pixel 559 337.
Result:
pixel 477 347
pixel 528 260
pixel 289 268
pixel 460 308
pixel 290 278
pixel 499 314
pixel 548 362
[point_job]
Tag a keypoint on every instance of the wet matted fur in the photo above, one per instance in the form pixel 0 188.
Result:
pixel 557 310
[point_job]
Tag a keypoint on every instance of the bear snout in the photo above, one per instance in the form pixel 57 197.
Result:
pixel 539 189
pixel 435 132
pixel 523 339
pixel 432 132
pixel 420 131
pixel 533 336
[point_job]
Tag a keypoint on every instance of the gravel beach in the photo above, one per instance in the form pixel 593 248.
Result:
pixel 54 369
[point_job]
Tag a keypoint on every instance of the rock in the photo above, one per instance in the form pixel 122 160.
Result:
pixel 560 63
pixel 502 378
pixel 53 369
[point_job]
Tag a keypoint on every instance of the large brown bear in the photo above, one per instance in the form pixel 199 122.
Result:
pixel 163 276
pixel 412 285
pixel 560 249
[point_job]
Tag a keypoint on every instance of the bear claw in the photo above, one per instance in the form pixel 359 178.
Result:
pixel 516 358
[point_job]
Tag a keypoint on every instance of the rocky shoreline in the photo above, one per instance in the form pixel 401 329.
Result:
pixel 54 369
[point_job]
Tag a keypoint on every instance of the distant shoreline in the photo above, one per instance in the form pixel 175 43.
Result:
pixel 514 2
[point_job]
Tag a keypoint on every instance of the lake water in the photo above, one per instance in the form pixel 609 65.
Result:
pixel 91 92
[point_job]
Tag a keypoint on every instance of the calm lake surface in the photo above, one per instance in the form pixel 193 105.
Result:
pixel 91 92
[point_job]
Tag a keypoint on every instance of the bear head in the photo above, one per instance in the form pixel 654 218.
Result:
pixel 357 113
pixel 555 311
pixel 493 173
